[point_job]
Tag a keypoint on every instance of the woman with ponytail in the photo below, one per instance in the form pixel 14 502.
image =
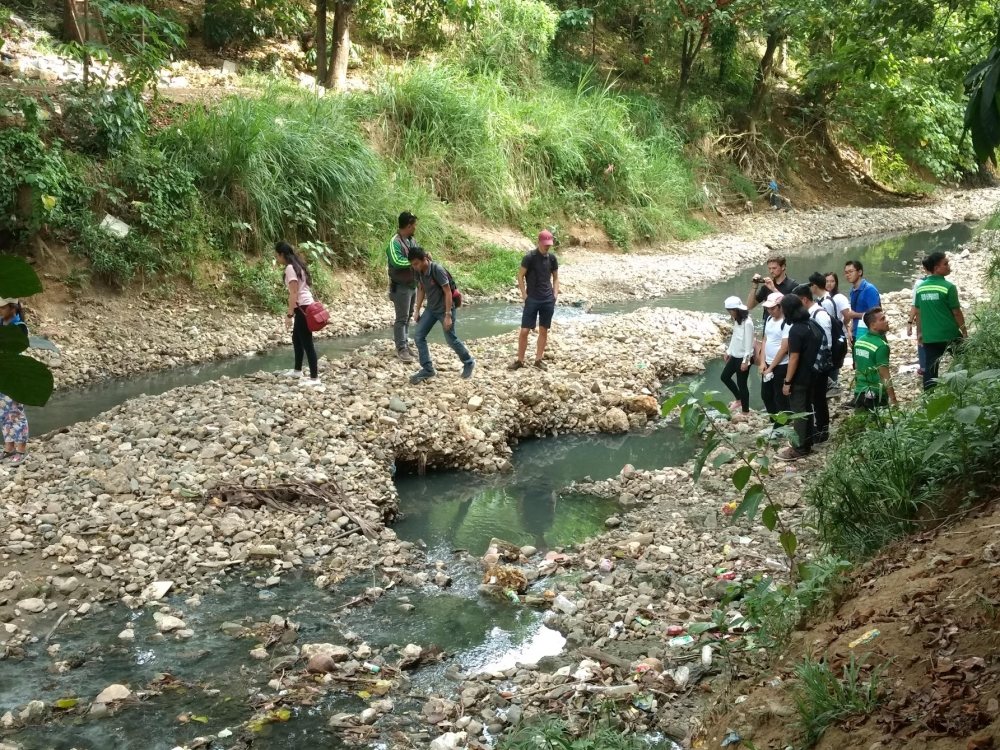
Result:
pixel 13 420
pixel 297 281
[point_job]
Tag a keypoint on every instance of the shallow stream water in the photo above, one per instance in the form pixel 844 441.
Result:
pixel 445 512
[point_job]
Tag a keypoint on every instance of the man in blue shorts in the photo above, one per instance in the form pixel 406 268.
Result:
pixel 538 280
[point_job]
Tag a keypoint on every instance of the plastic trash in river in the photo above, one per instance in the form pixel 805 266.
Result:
pixel 731 739
pixel 681 641
pixel 644 702
pixel 675 630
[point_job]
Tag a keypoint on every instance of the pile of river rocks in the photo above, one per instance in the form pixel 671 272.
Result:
pixel 109 506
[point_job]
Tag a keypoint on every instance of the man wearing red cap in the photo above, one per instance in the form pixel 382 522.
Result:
pixel 538 280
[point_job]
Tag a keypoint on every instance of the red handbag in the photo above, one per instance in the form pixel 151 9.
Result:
pixel 316 317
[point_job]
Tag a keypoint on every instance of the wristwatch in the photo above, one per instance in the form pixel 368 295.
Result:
pixel 788 382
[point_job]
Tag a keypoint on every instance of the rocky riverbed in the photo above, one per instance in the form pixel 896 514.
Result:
pixel 109 336
pixel 156 495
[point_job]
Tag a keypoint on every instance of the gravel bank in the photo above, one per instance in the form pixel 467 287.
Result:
pixel 117 502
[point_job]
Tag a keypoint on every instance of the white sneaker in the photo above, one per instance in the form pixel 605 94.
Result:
pixel 291 373
pixel 313 383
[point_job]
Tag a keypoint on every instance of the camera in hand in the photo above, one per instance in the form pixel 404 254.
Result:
pixel 758 279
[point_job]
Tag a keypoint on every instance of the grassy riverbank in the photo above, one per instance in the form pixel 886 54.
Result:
pixel 206 190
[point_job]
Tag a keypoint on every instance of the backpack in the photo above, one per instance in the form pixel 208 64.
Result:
pixel 824 357
pixel 839 353
pixel 456 296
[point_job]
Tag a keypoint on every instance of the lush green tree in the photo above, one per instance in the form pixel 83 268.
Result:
pixel 982 116
pixel 21 378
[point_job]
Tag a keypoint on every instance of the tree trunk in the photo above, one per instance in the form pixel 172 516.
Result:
pixel 690 47
pixel 774 40
pixel 336 75
pixel 321 10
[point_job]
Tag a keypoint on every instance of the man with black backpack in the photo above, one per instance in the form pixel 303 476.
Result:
pixel 436 287
pixel 823 365
pixel 805 339
pixel 838 334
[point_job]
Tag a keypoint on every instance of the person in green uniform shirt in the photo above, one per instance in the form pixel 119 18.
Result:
pixel 940 321
pixel 402 283
pixel 873 381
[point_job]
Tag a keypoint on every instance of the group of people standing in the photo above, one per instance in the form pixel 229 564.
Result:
pixel 807 331
pixel 423 291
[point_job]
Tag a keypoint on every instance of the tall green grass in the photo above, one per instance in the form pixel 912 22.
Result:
pixel 285 164
pixel 522 154
pixel 910 467
pixel 823 699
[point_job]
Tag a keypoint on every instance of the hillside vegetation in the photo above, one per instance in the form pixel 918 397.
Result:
pixel 516 112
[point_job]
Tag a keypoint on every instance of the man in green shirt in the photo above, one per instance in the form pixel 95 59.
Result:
pixel 873 381
pixel 402 283
pixel 939 318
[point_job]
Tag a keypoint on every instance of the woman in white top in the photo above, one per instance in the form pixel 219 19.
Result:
pixel 297 282
pixel 774 357
pixel 739 354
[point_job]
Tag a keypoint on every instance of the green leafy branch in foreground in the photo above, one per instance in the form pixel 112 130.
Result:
pixel 700 419
pixel 22 378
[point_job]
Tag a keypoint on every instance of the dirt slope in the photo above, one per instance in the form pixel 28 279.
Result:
pixel 935 598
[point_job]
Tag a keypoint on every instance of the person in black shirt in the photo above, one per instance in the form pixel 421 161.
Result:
pixel 776 281
pixel 803 347
pixel 538 280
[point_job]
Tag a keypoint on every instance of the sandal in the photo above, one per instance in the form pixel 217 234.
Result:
pixel 6 455
pixel 17 458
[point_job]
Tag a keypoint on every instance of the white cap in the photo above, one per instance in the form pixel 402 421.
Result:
pixel 8 301
pixel 734 303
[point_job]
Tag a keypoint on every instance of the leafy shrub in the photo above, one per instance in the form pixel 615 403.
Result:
pixel 37 186
pixel 822 699
pixel 240 23
pixel 510 38
pixel 776 609
pixel 258 282
pixel 117 260
pixel 104 121
pixel 140 40
pixel 287 164
pixel 554 734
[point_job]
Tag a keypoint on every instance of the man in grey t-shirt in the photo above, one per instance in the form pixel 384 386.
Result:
pixel 434 287
pixel 538 280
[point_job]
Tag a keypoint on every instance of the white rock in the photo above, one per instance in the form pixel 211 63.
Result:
pixel 169 623
pixel 32 605
pixel 449 741
pixel 156 590
pixel 113 693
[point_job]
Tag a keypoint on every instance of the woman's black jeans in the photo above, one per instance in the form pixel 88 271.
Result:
pixel 771 394
pixel 739 389
pixel 302 343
